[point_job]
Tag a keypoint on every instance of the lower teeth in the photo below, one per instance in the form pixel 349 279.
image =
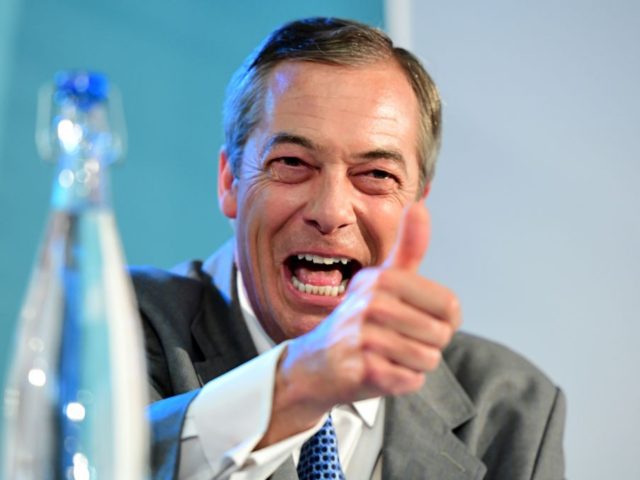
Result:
pixel 326 290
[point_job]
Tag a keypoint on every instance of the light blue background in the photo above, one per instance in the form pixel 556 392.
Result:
pixel 171 61
pixel 536 202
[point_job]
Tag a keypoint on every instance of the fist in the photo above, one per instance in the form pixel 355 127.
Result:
pixel 385 336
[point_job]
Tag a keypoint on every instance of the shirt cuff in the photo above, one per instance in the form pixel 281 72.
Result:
pixel 262 463
pixel 231 414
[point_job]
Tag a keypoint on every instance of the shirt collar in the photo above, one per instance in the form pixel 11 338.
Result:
pixel 367 410
pixel 261 339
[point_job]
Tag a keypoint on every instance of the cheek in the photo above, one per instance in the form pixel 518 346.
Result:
pixel 256 205
pixel 380 226
pixel 265 209
pixel 390 232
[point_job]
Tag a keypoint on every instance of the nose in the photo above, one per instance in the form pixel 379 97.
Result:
pixel 331 205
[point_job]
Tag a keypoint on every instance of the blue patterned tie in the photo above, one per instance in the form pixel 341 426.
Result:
pixel 319 456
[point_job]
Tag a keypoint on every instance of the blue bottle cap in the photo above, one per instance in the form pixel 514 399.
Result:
pixel 83 87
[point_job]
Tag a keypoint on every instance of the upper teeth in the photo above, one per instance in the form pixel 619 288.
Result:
pixel 323 260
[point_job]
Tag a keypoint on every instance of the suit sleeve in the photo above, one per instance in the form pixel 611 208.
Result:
pixel 166 418
pixel 550 459
pixel 211 432
pixel 156 369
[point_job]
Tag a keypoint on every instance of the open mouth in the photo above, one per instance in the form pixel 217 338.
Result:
pixel 320 275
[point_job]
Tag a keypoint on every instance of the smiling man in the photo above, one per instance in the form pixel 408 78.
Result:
pixel 309 346
pixel 323 180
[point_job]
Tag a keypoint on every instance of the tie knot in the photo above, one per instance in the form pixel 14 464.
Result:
pixel 319 455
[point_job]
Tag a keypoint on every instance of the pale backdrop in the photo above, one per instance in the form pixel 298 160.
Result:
pixel 536 202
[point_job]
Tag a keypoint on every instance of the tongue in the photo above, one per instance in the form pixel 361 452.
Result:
pixel 318 277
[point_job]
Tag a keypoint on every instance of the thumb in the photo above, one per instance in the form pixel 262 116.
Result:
pixel 413 238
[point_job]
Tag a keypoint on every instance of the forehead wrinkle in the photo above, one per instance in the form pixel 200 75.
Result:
pixel 379 110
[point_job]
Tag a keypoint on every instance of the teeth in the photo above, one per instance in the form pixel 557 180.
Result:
pixel 326 290
pixel 322 260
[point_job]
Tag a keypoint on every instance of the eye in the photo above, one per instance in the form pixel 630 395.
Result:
pixel 381 175
pixel 290 161
pixel 289 169
pixel 377 181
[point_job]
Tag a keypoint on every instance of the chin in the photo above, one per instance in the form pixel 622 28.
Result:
pixel 302 326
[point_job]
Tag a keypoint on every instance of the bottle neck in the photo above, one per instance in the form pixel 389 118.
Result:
pixel 85 146
pixel 81 182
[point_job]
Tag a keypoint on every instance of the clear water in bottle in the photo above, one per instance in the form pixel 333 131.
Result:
pixel 75 396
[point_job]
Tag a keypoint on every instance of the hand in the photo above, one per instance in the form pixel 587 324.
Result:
pixel 387 333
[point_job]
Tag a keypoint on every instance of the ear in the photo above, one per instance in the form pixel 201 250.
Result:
pixel 227 188
pixel 425 192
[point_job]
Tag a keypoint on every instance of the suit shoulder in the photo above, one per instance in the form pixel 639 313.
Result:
pixel 519 415
pixel 483 366
pixel 152 280
pixel 176 291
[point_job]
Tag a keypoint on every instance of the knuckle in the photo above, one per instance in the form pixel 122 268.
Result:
pixel 437 332
pixel 377 309
pixel 444 334
pixel 384 279
pixel 366 342
pixel 371 373
pixel 432 359
pixel 420 354
pixel 406 383
pixel 452 306
pixel 414 382
pixel 396 388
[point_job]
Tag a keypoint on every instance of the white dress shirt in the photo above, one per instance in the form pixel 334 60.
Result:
pixel 231 414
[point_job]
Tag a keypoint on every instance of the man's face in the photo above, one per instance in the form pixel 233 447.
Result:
pixel 323 182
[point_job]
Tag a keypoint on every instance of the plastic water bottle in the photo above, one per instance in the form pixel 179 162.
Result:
pixel 76 391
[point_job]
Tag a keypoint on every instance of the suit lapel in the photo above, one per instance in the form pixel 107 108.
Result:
pixel 286 471
pixel 226 342
pixel 418 439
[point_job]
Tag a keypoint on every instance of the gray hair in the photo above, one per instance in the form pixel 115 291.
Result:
pixel 328 41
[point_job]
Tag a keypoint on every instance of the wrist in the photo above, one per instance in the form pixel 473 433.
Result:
pixel 295 407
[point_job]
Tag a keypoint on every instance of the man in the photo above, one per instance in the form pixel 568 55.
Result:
pixel 331 139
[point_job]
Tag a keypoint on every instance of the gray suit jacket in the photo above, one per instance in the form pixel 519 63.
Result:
pixel 484 413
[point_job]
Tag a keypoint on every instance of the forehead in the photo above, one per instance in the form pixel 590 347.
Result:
pixel 359 106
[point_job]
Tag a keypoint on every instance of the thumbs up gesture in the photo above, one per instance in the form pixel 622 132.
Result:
pixel 413 239
pixel 383 339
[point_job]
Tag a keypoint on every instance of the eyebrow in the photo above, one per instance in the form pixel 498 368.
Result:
pixel 383 153
pixel 284 137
